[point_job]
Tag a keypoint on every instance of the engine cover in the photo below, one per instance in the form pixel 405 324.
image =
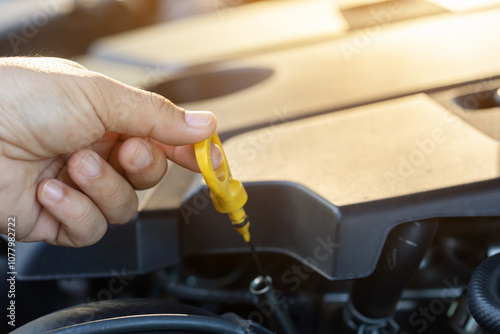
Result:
pixel 329 189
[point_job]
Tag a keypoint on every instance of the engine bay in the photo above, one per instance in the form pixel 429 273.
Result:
pixel 367 138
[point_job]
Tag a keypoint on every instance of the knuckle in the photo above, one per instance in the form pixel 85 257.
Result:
pixel 122 203
pixel 85 215
pixel 167 109
pixel 89 227
pixel 117 192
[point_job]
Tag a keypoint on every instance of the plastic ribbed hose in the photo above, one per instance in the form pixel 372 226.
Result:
pixel 483 294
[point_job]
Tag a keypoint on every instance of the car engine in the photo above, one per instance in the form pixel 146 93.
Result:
pixel 366 134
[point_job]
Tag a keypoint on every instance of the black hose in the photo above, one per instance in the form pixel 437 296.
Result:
pixel 377 295
pixel 105 309
pixel 154 322
pixel 231 297
pixel 483 294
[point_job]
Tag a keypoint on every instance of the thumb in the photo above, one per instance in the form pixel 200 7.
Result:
pixel 136 112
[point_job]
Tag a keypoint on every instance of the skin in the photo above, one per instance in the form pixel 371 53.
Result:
pixel 74 144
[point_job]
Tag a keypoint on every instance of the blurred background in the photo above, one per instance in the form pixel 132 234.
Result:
pixel 286 68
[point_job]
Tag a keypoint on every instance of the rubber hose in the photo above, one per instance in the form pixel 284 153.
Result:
pixel 229 297
pixel 377 295
pixel 154 322
pixel 483 294
pixel 187 292
pixel 107 309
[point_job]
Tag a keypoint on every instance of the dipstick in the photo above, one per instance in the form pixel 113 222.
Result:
pixel 228 194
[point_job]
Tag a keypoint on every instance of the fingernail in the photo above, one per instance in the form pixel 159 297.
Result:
pixel 89 166
pixel 199 119
pixel 142 157
pixel 53 191
pixel 216 156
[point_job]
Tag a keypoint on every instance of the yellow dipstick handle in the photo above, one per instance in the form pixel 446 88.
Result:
pixel 228 194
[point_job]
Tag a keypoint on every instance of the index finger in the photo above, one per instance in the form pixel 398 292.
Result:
pixel 136 112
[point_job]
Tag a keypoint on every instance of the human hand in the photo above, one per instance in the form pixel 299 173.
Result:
pixel 74 144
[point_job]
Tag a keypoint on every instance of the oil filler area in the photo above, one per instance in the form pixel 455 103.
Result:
pixel 360 186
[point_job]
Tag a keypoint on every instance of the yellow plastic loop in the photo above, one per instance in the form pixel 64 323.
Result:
pixel 228 194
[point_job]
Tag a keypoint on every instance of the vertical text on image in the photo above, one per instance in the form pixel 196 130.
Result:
pixel 11 270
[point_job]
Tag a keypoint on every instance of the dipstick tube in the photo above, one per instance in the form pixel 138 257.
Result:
pixel 262 287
